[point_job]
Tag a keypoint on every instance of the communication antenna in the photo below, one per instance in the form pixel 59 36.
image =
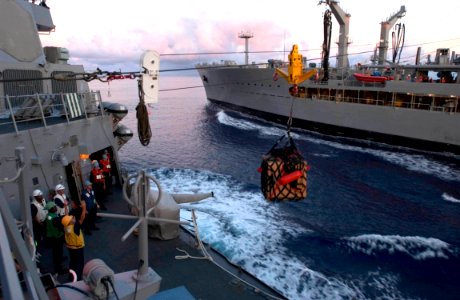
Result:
pixel 246 36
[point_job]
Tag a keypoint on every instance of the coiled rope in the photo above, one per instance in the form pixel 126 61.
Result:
pixel 207 256
pixel 143 126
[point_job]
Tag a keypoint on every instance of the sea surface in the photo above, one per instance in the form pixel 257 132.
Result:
pixel 379 222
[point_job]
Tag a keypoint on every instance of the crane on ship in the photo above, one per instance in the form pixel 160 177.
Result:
pixel 343 19
pixel 385 32
pixel 326 44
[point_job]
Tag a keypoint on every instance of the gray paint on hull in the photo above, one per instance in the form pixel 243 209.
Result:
pixel 256 90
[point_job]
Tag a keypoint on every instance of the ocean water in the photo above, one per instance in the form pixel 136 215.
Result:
pixel 379 222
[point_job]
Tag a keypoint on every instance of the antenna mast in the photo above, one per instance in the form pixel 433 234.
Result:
pixel 246 36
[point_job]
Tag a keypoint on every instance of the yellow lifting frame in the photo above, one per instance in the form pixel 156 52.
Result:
pixel 295 73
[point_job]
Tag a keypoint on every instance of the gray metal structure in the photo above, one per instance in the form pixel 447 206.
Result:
pixel 385 33
pixel 343 19
pixel 246 36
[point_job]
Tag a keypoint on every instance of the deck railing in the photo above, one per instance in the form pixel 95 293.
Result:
pixel 447 104
pixel 449 107
pixel 42 109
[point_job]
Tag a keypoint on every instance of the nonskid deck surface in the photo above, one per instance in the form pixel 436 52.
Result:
pixel 202 278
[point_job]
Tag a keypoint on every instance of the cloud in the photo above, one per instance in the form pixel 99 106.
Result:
pixel 113 34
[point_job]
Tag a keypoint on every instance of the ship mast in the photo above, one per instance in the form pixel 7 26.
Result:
pixel 385 31
pixel 246 36
pixel 343 19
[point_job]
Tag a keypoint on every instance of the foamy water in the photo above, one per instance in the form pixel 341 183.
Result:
pixel 413 162
pixel 419 248
pixel 250 232
pixel 449 198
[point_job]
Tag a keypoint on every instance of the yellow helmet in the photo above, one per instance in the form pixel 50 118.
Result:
pixel 66 220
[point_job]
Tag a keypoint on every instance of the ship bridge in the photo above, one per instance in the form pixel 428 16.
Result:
pixel 24 20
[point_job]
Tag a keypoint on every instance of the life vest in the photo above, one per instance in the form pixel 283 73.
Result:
pixel 284 172
pixel 88 197
pixel 41 211
pixel 97 175
pixel 62 211
pixel 72 240
pixel 105 165
pixel 51 230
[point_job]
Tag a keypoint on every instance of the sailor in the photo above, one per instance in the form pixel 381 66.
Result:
pixel 39 212
pixel 98 180
pixel 75 243
pixel 78 210
pixel 55 237
pixel 91 208
pixel 106 152
pixel 106 170
pixel 61 200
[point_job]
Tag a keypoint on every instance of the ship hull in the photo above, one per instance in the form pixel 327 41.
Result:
pixel 255 91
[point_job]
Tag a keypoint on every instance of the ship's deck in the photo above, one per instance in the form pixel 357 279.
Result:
pixel 202 278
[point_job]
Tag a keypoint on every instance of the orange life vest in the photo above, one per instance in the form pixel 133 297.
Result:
pixel 105 165
pixel 97 175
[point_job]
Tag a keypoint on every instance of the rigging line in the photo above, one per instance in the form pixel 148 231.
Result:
pixel 282 51
pixel 415 44
pixel 265 63
pixel 181 88
pixel 219 53
pixel 289 122
pixel 99 73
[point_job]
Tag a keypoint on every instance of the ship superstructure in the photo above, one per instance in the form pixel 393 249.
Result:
pixel 54 119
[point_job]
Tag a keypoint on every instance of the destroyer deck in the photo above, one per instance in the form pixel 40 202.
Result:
pixel 202 278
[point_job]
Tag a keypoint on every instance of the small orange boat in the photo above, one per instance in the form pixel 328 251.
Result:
pixel 372 78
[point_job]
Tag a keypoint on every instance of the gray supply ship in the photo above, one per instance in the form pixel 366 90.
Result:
pixel 383 101
pixel 51 127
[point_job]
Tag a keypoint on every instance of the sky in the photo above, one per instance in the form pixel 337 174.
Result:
pixel 112 35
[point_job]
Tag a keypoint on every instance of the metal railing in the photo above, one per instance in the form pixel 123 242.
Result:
pixel 446 104
pixel 48 108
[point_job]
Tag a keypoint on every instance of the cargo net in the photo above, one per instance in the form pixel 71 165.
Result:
pixel 284 172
